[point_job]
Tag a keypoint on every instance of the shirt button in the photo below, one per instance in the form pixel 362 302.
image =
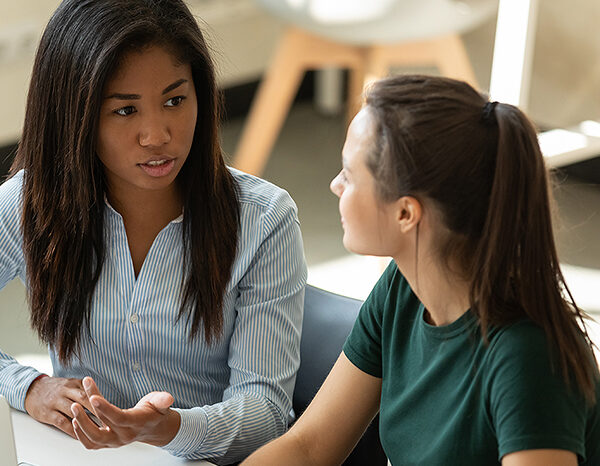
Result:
pixel 134 318
pixel 136 366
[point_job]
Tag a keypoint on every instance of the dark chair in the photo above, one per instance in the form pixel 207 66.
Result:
pixel 328 319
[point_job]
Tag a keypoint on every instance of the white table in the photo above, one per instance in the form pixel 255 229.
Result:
pixel 42 445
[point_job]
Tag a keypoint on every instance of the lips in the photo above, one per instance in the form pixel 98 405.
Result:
pixel 158 167
pixel 156 163
pixel 156 160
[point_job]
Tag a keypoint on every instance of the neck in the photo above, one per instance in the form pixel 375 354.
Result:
pixel 445 295
pixel 157 207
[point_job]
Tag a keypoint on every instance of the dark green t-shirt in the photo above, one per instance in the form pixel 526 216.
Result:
pixel 448 399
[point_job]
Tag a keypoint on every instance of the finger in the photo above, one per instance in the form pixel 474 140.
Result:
pixel 98 436
pixel 80 435
pixel 78 395
pixel 62 422
pixel 90 387
pixel 109 413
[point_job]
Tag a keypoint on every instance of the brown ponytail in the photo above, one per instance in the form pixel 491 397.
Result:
pixel 515 268
pixel 481 164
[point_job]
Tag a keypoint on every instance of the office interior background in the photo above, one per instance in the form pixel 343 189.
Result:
pixel 564 90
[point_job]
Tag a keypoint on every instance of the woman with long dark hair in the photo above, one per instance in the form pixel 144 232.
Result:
pixel 470 346
pixel 161 280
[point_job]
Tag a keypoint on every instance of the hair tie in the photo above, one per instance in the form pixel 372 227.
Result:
pixel 489 116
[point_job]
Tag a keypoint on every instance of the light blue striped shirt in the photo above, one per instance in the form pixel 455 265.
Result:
pixel 234 395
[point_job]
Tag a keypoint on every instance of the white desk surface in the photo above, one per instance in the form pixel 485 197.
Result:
pixel 42 445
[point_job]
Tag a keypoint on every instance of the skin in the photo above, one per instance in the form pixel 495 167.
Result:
pixel 49 401
pixel 148 113
pixel 317 438
pixel 153 125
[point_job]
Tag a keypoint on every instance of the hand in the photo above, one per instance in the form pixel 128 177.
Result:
pixel 150 421
pixel 49 400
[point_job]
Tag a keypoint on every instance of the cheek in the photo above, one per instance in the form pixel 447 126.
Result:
pixel 104 144
pixel 350 205
pixel 112 139
pixel 186 128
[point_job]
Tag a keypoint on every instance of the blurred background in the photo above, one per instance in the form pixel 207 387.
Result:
pixel 563 90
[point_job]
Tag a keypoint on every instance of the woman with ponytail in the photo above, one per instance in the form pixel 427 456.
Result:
pixel 470 346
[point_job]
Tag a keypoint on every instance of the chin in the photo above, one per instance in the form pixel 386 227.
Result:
pixel 354 248
pixel 365 249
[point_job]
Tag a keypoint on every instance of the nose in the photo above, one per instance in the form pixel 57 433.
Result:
pixel 336 186
pixel 154 132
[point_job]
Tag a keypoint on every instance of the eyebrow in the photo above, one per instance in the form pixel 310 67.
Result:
pixel 166 90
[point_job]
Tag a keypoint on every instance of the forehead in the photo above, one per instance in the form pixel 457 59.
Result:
pixel 361 134
pixel 150 64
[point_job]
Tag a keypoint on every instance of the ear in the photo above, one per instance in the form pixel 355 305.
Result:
pixel 408 213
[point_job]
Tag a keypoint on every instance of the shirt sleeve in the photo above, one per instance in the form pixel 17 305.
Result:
pixel 264 353
pixel 531 405
pixel 14 378
pixel 363 345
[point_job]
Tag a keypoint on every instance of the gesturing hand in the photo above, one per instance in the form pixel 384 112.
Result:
pixel 49 400
pixel 150 421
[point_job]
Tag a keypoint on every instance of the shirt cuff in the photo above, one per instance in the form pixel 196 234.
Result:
pixel 191 433
pixel 21 377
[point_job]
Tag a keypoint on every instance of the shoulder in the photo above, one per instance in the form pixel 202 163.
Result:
pixel 390 303
pixel 392 292
pixel 522 342
pixel 11 192
pixel 255 191
pixel 260 197
pixel 13 186
pixel 524 364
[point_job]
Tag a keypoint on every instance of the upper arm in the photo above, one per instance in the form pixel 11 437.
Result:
pixel 540 458
pixel 11 253
pixel 339 414
pixel 270 276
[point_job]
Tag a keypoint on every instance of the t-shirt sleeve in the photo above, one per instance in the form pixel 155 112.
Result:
pixel 363 345
pixel 531 405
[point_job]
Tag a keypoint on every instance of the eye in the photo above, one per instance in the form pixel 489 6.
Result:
pixel 124 111
pixel 175 101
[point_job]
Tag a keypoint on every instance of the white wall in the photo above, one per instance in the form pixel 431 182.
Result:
pixel 21 23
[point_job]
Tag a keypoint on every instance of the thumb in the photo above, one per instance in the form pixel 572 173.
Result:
pixel 161 401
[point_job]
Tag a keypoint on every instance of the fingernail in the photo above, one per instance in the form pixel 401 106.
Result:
pixel 86 383
pixel 95 403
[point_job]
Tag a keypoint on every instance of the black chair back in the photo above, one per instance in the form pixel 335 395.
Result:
pixel 328 319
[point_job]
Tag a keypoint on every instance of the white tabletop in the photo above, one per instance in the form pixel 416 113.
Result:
pixel 42 445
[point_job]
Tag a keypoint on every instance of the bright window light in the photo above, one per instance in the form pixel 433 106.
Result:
pixel 558 141
pixel 513 49
pixel 590 128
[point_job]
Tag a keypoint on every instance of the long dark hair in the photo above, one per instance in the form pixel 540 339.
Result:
pixel 481 164
pixel 63 192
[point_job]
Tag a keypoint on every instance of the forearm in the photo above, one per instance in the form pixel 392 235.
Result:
pixel 15 380
pixel 287 449
pixel 229 430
